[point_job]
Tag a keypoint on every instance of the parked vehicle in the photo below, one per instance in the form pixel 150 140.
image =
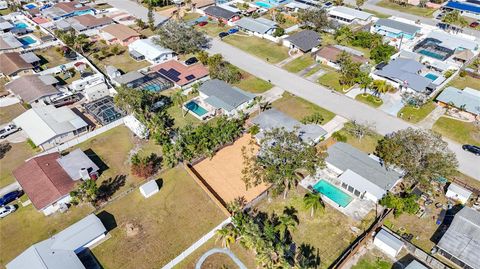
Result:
pixel 202 23
pixel 191 61
pixel 7 210
pixel 232 31
pixel 8 130
pixel 471 148
pixel 475 24
pixel 7 198
pixel 223 34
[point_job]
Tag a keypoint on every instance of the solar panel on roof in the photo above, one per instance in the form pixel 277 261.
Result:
pixel 190 77
pixel 171 74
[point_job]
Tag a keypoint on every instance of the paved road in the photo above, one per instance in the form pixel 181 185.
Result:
pixel 135 9
pixel 430 21
pixel 335 102
pixel 225 251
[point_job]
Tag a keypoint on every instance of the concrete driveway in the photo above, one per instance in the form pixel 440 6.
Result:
pixel 392 103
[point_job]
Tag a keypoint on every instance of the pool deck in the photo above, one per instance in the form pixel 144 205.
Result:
pixel 357 209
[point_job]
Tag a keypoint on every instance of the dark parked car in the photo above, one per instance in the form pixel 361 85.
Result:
pixel 222 34
pixel 474 24
pixel 473 149
pixel 191 61
pixel 7 198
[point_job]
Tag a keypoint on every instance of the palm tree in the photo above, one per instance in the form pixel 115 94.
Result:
pixel 381 87
pixel 178 98
pixel 313 201
pixel 228 236
pixel 285 224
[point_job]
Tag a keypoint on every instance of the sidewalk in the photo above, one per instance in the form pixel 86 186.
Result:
pixel 430 120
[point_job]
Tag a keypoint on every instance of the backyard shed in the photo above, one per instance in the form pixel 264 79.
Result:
pixel 388 243
pixel 150 188
pixel 458 193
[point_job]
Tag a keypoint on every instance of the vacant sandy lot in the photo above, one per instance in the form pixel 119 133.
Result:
pixel 223 173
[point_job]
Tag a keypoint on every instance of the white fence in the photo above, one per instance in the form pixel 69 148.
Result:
pixel 196 245
pixel 82 138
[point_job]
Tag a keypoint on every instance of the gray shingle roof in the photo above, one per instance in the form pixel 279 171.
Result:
pixel 462 239
pixel 350 13
pixel 222 95
pixel 219 12
pixel 273 118
pixel 74 161
pixel 259 25
pixel 58 252
pixel 396 25
pixel 344 157
pixel 468 98
pixel 406 71
pixel 452 42
pixel 305 40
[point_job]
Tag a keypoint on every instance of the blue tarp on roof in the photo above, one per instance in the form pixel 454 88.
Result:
pixel 463 7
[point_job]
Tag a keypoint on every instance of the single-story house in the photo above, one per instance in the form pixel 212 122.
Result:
pixel 467 100
pixel 8 41
pixel 14 63
pixel 259 26
pixel 33 88
pixel 416 265
pixel 305 41
pixel 329 55
pixel 181 75
pixel 388 243
pixel 96 91
pixel 395 29
pixel 148 189
pixel 223 98
pixel 5 25
pixel 362 175
pixel 461 242
pixel 148 49
pixel 273 118
pixel 153 81
pixel 119 34
pixel 48 179
pixel 407 74
pixel 458 193
pixel 348 15
pixel 48 126
pixel 440 45
pixel 67 9
pixel 61 250
pixel 86 22
pixel 221 14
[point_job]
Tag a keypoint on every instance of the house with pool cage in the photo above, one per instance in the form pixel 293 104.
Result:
pixel 103 110
pixel 153 81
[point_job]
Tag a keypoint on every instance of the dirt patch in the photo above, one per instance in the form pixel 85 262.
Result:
pixel 132 229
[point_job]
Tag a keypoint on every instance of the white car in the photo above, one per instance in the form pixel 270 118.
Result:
pixel 8 130
pixel 7 210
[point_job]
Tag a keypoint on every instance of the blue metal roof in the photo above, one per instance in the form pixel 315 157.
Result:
pixel 463 7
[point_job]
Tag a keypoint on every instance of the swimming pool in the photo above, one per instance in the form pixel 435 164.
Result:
pixel 152 88
pixel 27 40
pixel 196 108
pixel 21 25
pixel 30 6
pixel 431 76
pixel 263 4
pixel 432 54
pixel 333 193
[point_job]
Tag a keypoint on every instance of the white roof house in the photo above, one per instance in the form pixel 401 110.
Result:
pixel 148 189
pixel 149 50
pixel 349 15
pixel 388 243
pixel 44 124
pixel 458 193
pixel 60 251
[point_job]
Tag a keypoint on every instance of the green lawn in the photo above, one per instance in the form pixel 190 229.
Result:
pixel 366 144
pixel 415 115
pixel 424 12
pixel 8 113
pixel 51 57
pixel 328 232
pixel 462 132
pixel 179 115
pixel 121 61
pixel 299 63
pixel 299 108
pixel 313 70
pixel 212 28
pixel 369 261
pixel 332 80
pixel 251 83
pixel 261 48
pixel 13 158
pixel 377 14
pixel 467 81
pixel 166 224
pixel 27 226
pixel 369 99
pixel 190 16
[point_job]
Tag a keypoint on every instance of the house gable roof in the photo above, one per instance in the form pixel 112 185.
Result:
pixel 396 26
pixel 76 160
pixel 222 95
pixel 259 25
pixel 305 40
pixel 149 48
pixel 332 53
pixel 469 99
pixel 120 31
pixel 12 62
pixel 349 13
pixel 30 88
pixel 187 73
pixel 218 12
pixel 406 71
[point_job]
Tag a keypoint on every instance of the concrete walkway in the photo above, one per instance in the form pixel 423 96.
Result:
pixel 430 120
pixel 225 251
pixel 334 125
pixel 272 94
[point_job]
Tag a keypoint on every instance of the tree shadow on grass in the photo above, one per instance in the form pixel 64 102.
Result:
pixel 110 186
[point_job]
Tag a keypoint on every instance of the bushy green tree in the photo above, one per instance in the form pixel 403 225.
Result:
pixel 382 53
pixel 181 38
pixel 87 191
pixel 400 204
pixel 314 18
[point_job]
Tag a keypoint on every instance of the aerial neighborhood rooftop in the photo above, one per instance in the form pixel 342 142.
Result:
pixel 239 134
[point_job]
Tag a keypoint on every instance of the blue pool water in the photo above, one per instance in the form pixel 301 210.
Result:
pixel 30 6
pixel 195 108
pixel 21 25
pixel 431 76
pixel 431 54
pixel 263 4
pixel 152 88
pixel 27 40
pixel 333 193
